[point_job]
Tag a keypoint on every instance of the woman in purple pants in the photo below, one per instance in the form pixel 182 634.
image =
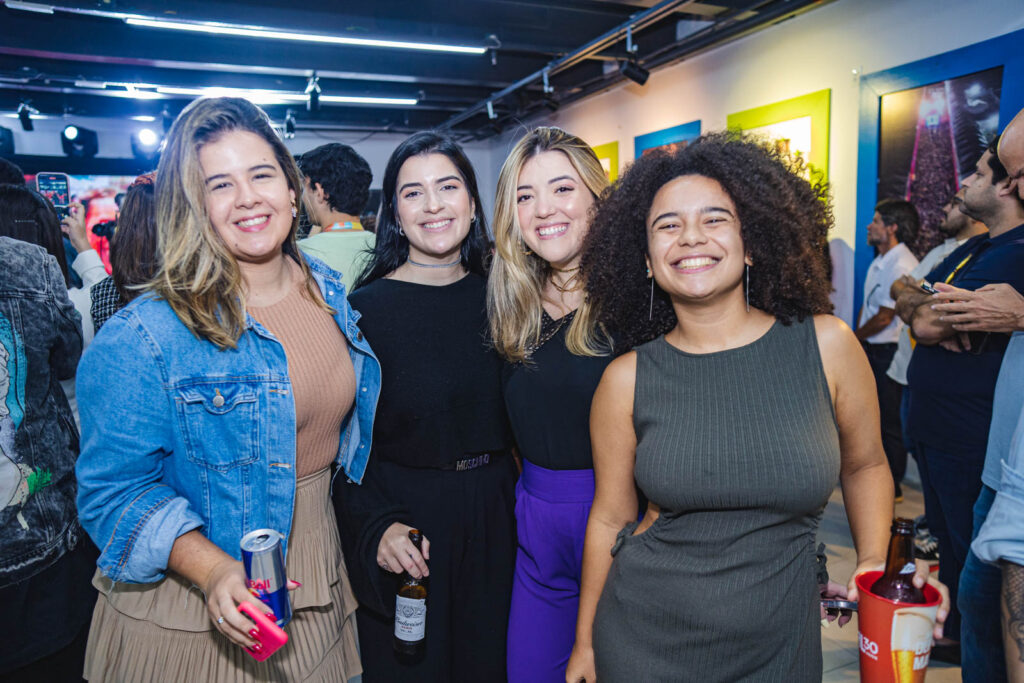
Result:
pixel 555 352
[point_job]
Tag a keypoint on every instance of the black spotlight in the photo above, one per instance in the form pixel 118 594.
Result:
pixel 25 116
pixel 146 144
pixel 313 92
pixel 79 142
pixel 166 118
pixel 289 125
pixel 634 72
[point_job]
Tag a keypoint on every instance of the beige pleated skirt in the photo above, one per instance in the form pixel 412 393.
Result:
pixel 162 632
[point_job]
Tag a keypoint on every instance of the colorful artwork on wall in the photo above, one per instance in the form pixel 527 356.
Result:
pixel 930 138
pixel 798 126
pixel 671 139
pixel 608 155
pixel 971 73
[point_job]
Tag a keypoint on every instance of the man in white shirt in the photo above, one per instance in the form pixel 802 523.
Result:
pixel 895 223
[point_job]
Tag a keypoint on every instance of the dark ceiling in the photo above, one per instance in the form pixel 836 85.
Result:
pixel 77 57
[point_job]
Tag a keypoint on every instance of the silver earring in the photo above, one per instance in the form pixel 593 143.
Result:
pixel 746 286
pixel 295 211
pixel 650 310
pixel 400 231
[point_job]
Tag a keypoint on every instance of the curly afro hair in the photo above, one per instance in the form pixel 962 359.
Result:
pixel 784 223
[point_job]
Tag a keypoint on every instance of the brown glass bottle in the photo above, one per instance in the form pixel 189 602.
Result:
pixel 897 583
pixel 411 609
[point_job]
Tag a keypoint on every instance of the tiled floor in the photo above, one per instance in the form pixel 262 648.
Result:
pixel 839 646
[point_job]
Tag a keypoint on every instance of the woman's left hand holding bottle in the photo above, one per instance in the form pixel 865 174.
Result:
pixel 397 554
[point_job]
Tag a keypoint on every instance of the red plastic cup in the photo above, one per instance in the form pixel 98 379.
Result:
pixel 895 637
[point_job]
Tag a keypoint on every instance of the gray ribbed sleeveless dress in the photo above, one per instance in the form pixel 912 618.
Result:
pixel 740 450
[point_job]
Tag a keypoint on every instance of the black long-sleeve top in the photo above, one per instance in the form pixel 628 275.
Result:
pixel 440 401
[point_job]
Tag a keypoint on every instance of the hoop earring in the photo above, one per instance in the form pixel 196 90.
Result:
pixel 400 231
pixel 650 309
pixel 746 284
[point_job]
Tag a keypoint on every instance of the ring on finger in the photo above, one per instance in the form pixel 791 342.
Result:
pixel 220 620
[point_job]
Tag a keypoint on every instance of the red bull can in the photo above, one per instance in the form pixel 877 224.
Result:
pixel 263 557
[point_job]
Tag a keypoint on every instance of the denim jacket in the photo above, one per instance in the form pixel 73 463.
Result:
pixel 40 343
pixel 180 435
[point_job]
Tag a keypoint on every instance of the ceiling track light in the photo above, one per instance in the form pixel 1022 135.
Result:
pixel 263 32
pixel 79 142
pixel 313 93
pixel 146 144
pixel 25 116
pixel 289 125
pixel 632 70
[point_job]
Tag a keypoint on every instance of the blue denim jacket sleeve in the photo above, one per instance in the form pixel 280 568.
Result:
pixel 1002 535
pixel 131 515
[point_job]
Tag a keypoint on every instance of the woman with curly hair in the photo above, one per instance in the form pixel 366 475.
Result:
pixel 548 333
pixel 739 408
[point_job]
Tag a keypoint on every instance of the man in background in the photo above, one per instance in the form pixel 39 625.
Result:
pixel 895 224
pixel 337 187
pixel 952 377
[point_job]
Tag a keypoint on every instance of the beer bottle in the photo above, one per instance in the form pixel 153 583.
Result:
pixel 411 609
pixel 897 581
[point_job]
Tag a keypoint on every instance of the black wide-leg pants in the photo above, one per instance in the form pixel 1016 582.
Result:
pixel 468 519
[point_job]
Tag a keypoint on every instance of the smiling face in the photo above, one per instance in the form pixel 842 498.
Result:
pixel 694 245
pixel 247 196
pixel 433 207
pixel 553 205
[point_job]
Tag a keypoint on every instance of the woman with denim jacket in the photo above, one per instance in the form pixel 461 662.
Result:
pixel 215 405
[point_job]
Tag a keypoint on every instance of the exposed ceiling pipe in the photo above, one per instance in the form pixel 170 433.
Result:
pixel 637 22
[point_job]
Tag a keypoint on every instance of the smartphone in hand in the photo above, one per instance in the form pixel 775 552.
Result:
pixel 269 634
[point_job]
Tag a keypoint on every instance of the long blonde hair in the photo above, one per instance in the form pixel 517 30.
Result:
pixel 198 276
pixel 517 279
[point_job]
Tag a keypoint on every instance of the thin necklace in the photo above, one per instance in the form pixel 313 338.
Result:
pixel 435 265
pixel 572 283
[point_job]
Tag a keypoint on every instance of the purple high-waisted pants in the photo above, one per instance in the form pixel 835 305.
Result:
pixel 551 519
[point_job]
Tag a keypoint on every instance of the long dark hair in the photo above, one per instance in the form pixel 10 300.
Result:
pixel 133 249
pixel 392 247
pixel 28 216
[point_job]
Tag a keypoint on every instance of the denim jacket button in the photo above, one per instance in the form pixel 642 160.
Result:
pixel 218 400
pixel 359 336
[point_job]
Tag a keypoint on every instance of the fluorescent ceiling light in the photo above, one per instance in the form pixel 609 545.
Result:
pixel 29 7
pixel 282 97
pixel 144 119
pixel 261 32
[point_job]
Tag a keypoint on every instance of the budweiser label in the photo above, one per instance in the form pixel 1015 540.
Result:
pixel 410 618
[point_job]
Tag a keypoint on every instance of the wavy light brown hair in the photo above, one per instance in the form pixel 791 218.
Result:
pixel 198 276
pixel 517 278
pixel 784 223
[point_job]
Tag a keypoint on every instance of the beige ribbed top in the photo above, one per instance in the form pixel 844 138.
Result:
pixel 320 369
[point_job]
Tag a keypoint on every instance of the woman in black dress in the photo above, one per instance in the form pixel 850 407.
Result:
pixel 440 438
